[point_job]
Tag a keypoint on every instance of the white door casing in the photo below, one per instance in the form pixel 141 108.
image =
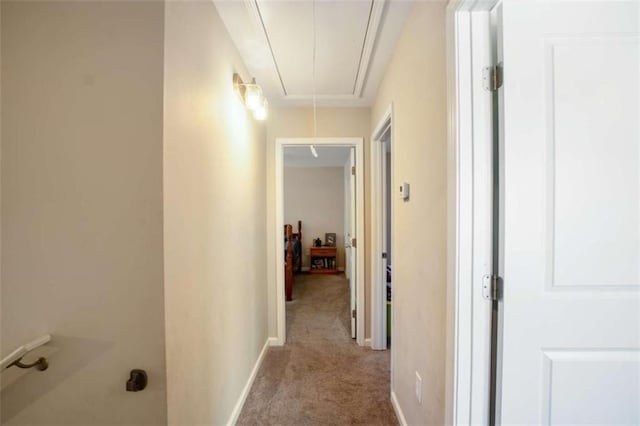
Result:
pixel 377 263
pixel 353 290
pixel 570 216
pixel 280 144
pixel 470 222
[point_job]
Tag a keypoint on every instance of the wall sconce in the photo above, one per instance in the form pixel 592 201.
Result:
pixel 252 97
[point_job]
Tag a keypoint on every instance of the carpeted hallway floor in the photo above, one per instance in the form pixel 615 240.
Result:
pixel 321 376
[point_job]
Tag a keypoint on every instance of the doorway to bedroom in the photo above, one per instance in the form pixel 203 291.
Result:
pixel 319 200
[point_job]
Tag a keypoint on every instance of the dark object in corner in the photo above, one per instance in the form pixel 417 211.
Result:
pixel 137 381
pixel 317 242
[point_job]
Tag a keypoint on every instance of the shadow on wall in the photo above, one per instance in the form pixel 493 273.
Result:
pixel 66 356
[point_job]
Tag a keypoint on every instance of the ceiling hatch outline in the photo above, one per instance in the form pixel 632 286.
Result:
pixel 366 54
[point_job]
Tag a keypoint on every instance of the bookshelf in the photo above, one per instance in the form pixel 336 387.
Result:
pixel 323 260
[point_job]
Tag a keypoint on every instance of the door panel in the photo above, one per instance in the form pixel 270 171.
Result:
pixel 601 374
pixel 570 213
pixel 592 167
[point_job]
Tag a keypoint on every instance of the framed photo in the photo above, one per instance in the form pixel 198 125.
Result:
pixel 330 239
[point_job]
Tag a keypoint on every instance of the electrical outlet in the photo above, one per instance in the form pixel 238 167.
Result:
pixel 418 388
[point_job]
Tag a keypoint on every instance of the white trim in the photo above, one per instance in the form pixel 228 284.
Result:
pixel 237 409
pixel 358 143
pixel 378 286
pixel 481 218
pixel 274 341
pixel 451 374
pixel 367 342
pixel 396 407
pixel 469 211
pixel 369 42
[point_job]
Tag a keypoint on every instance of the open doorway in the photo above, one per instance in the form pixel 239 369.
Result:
pixel 382 230
pixel 385 166
pixel 320 209
pixel 317 200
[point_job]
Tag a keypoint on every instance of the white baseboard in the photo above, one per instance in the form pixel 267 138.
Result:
pixel 275 341
pixel 237 409
pixel 398 410
pixel 367 342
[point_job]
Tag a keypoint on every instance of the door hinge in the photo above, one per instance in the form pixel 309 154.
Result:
pixel 353 313
pixel 353 243
pixel 353 170
pixel 384 255
pixel 491 287
pixel 492 77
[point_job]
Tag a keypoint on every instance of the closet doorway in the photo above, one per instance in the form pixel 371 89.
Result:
pixel 343 250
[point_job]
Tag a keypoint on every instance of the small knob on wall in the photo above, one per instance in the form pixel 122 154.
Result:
pixel 137 380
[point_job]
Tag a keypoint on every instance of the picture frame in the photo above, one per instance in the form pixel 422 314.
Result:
pixel 330 239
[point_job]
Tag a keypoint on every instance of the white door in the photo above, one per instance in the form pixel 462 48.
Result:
pixel 570 213
pixel 351 258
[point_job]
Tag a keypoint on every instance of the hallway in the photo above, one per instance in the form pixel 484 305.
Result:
pixel 134 174
pixel 320 376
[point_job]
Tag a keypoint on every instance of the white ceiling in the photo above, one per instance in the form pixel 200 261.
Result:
pixel 328 156
pixel 354 41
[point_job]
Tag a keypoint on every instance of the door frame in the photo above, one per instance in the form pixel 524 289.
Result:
pixel 470 46
pixel 281 143
pixel 378 283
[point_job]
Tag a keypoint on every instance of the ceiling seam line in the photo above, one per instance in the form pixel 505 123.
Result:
pixel 364 42
pixel 273 56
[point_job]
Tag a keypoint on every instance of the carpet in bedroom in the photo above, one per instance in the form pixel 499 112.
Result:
pixel 321 376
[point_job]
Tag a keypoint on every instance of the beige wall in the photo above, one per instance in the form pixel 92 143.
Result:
pixel 298 123
pixel 214 227
pixel 82 209
pixel 315 195
pixel 415 81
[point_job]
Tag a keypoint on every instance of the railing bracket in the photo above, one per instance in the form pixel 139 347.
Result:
pixel 40 364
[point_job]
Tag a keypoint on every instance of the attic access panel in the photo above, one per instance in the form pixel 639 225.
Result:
pixel 341 29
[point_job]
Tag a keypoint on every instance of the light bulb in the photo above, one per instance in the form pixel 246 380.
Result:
pixel 253 96
pixel 261 112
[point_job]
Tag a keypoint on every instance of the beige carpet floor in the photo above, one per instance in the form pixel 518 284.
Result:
pixel 320 376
